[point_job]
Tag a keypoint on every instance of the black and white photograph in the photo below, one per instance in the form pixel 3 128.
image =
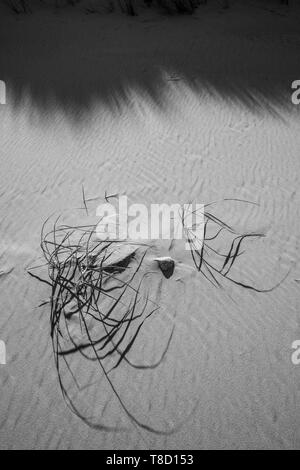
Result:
pixel 150 227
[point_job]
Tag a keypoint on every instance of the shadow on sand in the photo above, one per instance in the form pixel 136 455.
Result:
pixel 73 60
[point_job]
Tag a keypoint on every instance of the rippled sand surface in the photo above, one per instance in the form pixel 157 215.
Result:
pixel 163 110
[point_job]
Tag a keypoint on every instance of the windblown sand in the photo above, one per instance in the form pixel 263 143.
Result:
pixel 162 109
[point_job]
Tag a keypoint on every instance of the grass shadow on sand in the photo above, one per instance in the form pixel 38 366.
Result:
pixel 73 61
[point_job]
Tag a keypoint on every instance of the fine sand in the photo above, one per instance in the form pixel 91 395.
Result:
pixel 162 109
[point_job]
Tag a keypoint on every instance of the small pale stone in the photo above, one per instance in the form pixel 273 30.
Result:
pixel 166 265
